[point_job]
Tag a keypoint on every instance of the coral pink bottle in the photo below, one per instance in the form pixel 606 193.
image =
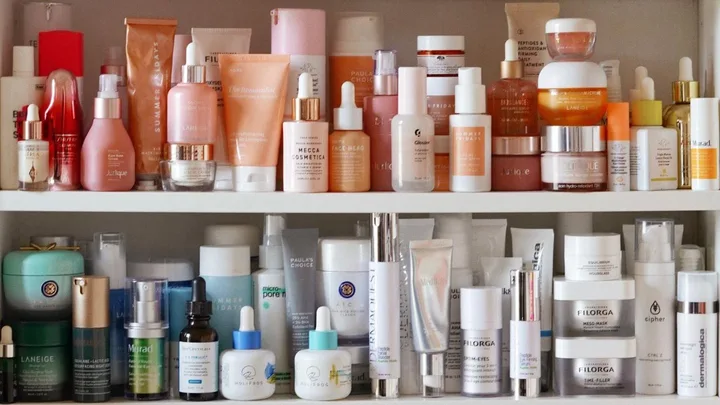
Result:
pixel 107 161
pixel 378 112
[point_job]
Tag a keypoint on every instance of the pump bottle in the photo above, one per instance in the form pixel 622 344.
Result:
pixel 248 371
pixel 349 162
pixel 470 135
pixel 413 132
pixel 114 63
pixel 677 116
pixel 107 161
pixel 653 149
pixel 305 143
pixel 322 372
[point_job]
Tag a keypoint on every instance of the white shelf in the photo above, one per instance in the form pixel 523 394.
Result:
pixel 229 202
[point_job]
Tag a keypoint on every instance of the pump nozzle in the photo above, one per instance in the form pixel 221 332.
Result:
pixel 271 254
pixel 108 86
pixel 686 73
pixel 385 80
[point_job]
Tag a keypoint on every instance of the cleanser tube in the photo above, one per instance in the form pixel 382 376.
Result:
pixel 384 306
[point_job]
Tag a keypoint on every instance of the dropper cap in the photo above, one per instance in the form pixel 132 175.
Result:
pixel 641 73
pixel 199 306
pixel 305 107
pixel 412 90
pixel 32 127
pixel 647 111
pixel 348 117
pixel 193 71
pixel 323 337
pixel 470 92
pixel 512 66
pixel 246 338
pixel 385 79
pixel 7 347
pixel 685 88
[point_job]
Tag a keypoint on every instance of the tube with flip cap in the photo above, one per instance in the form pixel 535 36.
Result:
pixel 525 333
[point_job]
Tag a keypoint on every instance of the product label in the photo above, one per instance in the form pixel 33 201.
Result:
pixel 443 65
pixel 384 307
pixel 468 151
pixel 189 172
pixel 594 318
pixel 663 155
pixel 440 108
pixel 697 354
pixel 318 374
pixel 595 267
pixel 532 51
pixel 195 118
pixel 349 162
pixel 454 355
pixel 355 69
pixel 67 149
pixel 418 157
pixel 198 373
pixel 570 172
pixel 147 365
pixel 42 373
pixel 117 165
pixel 228 295
pixel 91 361
pixel 575 104
pixel 525 358
pixel 345 294
pixel 604 375
pixel 704 163
pixel 33 161
pixel 618 165
pixel 481 362
pixel 315 66
pixel 442 172
pixel 306 147
pixel 270 316
pixel 247 372
pixel 379 127
pixel 513 115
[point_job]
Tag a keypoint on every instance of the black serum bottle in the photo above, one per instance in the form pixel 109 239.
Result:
pixel 7 366
pixel 198 349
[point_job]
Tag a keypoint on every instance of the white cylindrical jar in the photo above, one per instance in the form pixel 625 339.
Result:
pixel 592 257
pixel 442 55
pixel 342 285
pixel 481 323
pixel 697 336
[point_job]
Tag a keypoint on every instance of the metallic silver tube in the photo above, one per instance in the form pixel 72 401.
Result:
pixel 525 333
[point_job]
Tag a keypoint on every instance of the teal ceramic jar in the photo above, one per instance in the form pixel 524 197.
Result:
pixel 37 285
pixel 43 358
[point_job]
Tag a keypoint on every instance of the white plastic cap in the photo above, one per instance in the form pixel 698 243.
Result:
pixel 470 92
pixel 570 25
pixel 596 290
pixel 344 254
pixel 247 319
pixel 697 286
pixel 322 320
pixel 614 84
pixel 641 73
pixel 511 50
pixel 23 61
pixel 481 308
pixel 224 261
pixel 442 144
pixel 258 179
pixel 33 113
pixel 114 56
pixel 592 244
pixel 686 70
pixel 191 55
pixel 357 33
pixel 304 86
pixel 705 122
pixel 348 117
pixel 108 86
pixel 440 43
pixel 647 91
pixel 234 235
pixel 174 270
pixel 564 75
pixel 412 90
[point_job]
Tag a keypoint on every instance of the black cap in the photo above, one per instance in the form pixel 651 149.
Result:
pixel 199 306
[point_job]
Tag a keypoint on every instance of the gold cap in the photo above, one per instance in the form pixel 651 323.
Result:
pixel 684 91
pixel 511 69
pixel 91 302
pixel 7 347
pixel 181 151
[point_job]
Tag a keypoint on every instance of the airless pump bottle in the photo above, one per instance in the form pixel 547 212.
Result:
pixel 525 333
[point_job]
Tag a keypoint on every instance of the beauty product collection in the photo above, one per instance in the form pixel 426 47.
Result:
pixel 199 113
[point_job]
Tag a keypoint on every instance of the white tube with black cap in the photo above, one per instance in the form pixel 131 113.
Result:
pixel 525 333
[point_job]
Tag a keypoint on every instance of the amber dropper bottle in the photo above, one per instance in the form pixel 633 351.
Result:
pixel 198 349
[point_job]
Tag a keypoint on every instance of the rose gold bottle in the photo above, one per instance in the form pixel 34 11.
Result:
pixel 378 112
pixel 349 147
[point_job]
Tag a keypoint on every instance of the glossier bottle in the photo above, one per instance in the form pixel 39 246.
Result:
pixel 305 144
pixel 63 127
pixel 107 161
pixel 378 112
pixel 413 131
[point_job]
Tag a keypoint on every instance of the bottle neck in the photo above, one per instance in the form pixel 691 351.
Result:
pixel 199 321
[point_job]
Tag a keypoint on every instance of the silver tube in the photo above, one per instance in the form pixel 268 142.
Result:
pixel 525 333
pixel 384 306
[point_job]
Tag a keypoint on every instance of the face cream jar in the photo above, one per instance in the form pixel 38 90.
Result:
pixel 594 308
pixel 342 286
pixel 574 159
pixel 592 257
pixel 516 163
pixel 602 366
pixel 44 351
pixel 572 93
pixel 570 38
pixel 188 168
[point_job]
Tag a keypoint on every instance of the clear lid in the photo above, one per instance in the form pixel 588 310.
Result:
pixel 108 86
pixel 146 303
pixel 654 240
pixel 108 257
pixel 558 25
pixel 697 286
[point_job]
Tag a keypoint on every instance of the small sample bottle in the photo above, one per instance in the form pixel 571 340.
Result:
pixel 198 349
pixel 349 151
pixel 16 91
pixel 322 372
pixel 677 116
pixel 481 324
pixel 114 64
pixel 704 133
pixel 525 333
pixel 305 143
pixel 697 333
pixel 378 112
pixel 148 351
pixel 413 148
pixel 7 366
pixel 33 154
pixel 91 339
pixel 470 135
pixel 653 149
pixel 248 371
pixel 107 161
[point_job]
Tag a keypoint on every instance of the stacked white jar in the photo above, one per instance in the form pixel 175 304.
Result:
pixel 594 319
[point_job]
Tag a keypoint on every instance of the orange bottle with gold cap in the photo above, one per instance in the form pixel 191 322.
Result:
pixel 349 151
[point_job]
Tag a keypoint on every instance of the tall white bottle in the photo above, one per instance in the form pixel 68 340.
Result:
pixel 697 333
pixel 655 306
pixel 16 91
pixel 470 135
pixel 269 300
pixel 413 132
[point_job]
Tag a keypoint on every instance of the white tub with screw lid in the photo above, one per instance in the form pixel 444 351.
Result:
pixel 592 257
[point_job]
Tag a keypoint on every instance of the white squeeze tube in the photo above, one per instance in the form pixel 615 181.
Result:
pixel 384 306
